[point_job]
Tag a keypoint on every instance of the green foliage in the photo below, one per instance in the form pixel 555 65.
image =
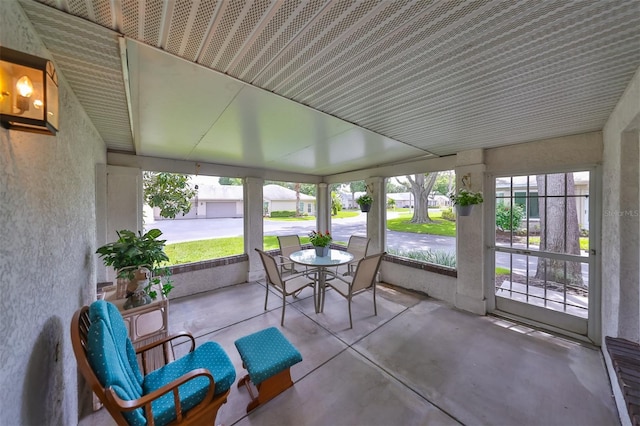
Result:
pixel 132 251
pixel 283 213
pixel 508 219
pixel 170 192
pixel 391 203
pixel 230 181
pixel 444 182
pixel 466 198
pixel 438 257
pixel 319 239
pixel 336 204
pixel 448 214
pixel 357 186
pixel 364 199
pixel 392 188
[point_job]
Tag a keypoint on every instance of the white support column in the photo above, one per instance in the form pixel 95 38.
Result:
pixel 377 216
pixel 124 203
pixel 253 225
pixel 470 293
pixel 323 207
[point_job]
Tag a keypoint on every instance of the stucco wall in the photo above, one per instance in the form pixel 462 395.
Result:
pixel 47 268
pixel 620 222
pixel 624 118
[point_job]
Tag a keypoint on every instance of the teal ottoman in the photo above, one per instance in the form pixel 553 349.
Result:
pixel 267 355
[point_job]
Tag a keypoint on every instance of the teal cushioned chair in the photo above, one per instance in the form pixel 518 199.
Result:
pixel 108 361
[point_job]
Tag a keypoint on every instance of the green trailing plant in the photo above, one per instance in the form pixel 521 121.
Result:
pixel 364 200
pixel 132 251
pixel 464 197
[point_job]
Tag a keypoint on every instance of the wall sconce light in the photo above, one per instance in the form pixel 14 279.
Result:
pixel 28 93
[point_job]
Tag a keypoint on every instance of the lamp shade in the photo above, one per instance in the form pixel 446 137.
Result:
pixel 28 93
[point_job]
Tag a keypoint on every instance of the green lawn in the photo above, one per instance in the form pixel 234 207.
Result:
pixel 584 242
pixel 439 227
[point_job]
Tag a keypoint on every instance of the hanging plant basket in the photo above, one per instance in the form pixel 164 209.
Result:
pixel 365 202
pixel 464 210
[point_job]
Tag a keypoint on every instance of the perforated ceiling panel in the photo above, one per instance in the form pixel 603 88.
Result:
pixel 89 58
pixel 440 76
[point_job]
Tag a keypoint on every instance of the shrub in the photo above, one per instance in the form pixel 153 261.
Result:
pixel 438 257
pixel 506 219
pixel 448 214
pixel 283 213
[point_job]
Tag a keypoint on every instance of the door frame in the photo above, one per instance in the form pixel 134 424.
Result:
pixel 594 320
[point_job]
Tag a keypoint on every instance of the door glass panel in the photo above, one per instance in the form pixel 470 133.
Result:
pixel 542 241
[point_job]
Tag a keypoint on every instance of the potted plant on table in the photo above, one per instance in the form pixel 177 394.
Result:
pixel 464 201
pixel 320 242
pixel 137 259
pixel 365 202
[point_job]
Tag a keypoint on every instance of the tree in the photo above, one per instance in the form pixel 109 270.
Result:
pixel 336 203
pixel 445 182
pixel 357 186
pixel 554 236
pixel 392 188
pixel 230 181
pixel 170 192
pixel 420 186
pixel 297 189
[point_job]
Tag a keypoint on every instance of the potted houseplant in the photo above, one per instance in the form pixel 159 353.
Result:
pixel 464 201
pixel 137 259
pixel 364 202
pixel 320 242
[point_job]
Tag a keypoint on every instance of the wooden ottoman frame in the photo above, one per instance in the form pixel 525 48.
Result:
pixel 267 356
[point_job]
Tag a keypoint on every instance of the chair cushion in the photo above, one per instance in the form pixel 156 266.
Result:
pixel 209 355
pixel 105 355
pixel 266 353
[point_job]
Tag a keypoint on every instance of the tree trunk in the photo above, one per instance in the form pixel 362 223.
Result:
pixel 554 237
pixel 421 186
pixel 297 189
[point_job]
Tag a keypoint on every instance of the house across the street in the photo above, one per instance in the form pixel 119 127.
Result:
pixel 218 201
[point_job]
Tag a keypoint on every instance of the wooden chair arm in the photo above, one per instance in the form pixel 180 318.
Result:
pixel 167 340
pixel 146 400
pixel 167 351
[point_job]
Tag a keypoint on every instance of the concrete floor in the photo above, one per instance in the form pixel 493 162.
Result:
pixel 417 362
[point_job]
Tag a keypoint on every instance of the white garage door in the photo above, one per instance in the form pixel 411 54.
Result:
pixel 221 209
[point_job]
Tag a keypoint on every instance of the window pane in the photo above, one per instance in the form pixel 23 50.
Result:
pixel 211 228
pixel 421 224
pixel 290 209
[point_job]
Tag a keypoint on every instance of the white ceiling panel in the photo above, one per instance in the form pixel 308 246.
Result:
pixel 189 99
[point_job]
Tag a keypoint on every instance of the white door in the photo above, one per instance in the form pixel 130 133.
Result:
pixel 544 257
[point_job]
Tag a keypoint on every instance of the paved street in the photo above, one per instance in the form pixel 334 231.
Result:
pixel 197 229
pixel 175 231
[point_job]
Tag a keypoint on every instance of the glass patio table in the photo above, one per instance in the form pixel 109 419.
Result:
pixel 309 258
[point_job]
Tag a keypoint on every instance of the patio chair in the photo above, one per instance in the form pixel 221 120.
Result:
pixel 187 391
pixel 357 246
pixel 291 284
pixel 290 244
pixel 363 279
